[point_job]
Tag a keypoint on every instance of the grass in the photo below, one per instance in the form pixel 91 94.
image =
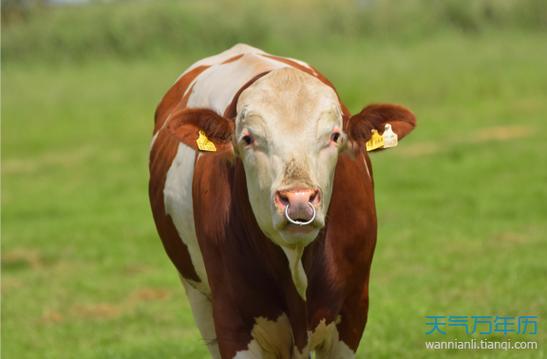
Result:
pixel 461 202
pixel 150 28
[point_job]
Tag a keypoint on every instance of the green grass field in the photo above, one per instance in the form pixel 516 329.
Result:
pixel 462 202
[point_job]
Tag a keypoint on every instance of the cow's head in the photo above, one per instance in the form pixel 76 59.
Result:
pixel 289 132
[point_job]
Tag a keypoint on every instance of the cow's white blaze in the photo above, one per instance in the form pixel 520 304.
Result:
pixel 291 116
pixel 177 195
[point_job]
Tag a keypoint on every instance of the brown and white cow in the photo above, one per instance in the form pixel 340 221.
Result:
pixel 262 193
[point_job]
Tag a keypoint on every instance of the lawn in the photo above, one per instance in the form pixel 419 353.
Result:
pixel 462 202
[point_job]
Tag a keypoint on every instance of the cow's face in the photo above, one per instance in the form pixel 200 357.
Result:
pixel 288 135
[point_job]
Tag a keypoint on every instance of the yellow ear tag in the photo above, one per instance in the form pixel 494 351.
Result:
pixel 390 137
pixel 376 141
pixel 204 144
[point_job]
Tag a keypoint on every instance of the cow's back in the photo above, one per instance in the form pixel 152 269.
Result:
pixel 215 82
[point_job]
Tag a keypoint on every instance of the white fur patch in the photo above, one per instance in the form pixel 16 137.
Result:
pixel 326 342
pixel 233 51
pixel 271 339
pixel 366 165
pixel 274 339
pixel 153 140
pixel 299 278
pixel 177 195
pixel 215 87
pixel 202 311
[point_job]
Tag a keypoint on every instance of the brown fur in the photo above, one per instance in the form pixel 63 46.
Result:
pixel 217 128
pixel 173 95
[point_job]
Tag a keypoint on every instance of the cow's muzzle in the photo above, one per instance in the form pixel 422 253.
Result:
pixel 298 205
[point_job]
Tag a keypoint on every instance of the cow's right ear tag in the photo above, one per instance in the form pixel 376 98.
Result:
pixel 204 144
pixel 376 141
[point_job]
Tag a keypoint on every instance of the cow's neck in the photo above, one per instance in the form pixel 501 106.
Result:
pixel 270 261
pixel 290 268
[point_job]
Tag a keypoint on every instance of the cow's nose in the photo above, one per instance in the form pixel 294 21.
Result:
pixel 300 203
pixel 297 197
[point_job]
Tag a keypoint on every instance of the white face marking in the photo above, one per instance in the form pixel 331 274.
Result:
pixel 291 117
pixel 177 196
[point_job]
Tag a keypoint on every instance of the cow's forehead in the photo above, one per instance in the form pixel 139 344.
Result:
pixel 289 97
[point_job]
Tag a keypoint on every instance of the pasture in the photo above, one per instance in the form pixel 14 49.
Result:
pixel 461 202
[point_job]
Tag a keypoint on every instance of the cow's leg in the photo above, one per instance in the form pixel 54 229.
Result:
pixel 202 311
pixel 267 339
pixel 328 343
pixel 270 339
pixel 350 328
pixel 342 337
pixel 334 348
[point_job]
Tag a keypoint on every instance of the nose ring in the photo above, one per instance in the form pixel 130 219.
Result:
pixel 300 223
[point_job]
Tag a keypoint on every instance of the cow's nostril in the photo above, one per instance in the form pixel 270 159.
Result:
pixel 314 196
pixel 283 199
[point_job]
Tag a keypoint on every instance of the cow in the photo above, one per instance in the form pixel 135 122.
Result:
pixel 262 194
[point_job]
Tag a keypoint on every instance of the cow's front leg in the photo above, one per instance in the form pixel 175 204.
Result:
pixel 253 337
pixel 334 348
pixel 202 311
pixel 350 327
pixel 330 345
pixel 342 336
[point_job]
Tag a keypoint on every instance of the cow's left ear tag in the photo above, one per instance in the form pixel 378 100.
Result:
pixel 204 144
pixel 376 141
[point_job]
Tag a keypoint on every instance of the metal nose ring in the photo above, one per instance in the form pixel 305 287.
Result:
pixel 299 223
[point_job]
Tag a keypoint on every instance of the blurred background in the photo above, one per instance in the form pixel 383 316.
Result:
pixel 462 202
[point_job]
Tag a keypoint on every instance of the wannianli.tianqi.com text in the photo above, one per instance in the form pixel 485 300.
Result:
pixel 481 344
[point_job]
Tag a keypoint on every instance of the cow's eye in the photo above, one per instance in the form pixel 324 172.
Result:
pixel 335 136
pixel 247 140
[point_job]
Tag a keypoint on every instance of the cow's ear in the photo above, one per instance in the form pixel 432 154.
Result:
pixel 375 117
pixel 202 129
